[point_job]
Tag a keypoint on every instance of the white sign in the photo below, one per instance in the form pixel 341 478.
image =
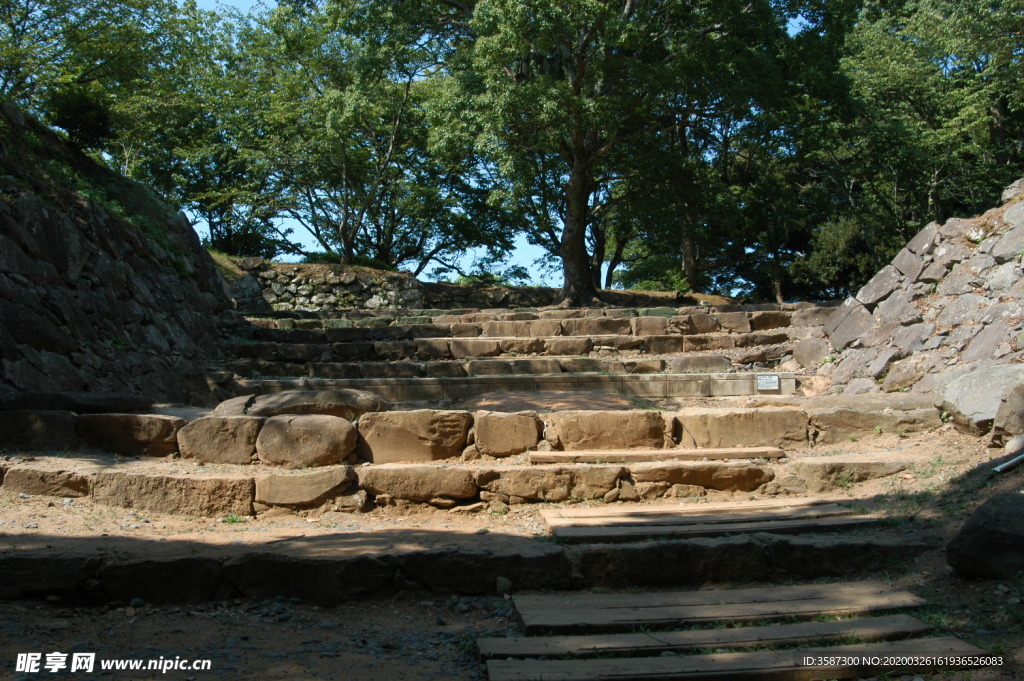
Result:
pixel 768 382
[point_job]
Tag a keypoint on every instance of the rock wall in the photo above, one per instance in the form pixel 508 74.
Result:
pixel 950 300
pixel 331 289
pixel 102 287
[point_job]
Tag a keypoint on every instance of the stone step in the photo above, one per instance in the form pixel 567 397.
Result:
pixel 449 389
pixel 331 568
pixel 537 366
pixel 475 340
pixel 759 314
pixel 208 490
pixel 641 455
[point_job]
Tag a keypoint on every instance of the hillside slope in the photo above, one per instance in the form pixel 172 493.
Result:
pixel 102 287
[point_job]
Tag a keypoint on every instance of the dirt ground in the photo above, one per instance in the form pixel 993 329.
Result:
pixel 418 635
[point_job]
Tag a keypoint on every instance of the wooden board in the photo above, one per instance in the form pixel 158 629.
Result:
pixel 622 533
pixel 583 613
pixel 639 455
pixel 867 629
pixel 555 519
pixel 596 511
pixel 774 665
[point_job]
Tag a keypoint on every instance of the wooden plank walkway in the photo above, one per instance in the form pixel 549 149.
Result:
pixel 585 525
pixel 592 613
pixel 763 665
pixel 868 629
pixel 640 455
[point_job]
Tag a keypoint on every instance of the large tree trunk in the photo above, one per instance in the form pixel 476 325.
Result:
pixel 578 288
pixel 688 250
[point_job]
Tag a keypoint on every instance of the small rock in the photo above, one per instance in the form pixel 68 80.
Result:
pixel 137 602
pixel 482 530
pixel 22 495
pixel 441 621
pixel 503 586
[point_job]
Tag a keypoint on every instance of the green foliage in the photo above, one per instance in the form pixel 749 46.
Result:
pixel 84 116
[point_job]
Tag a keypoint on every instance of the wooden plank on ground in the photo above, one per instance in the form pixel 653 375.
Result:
pixel 868 629
pixel 763 665
pixel 586 511
pixel 583 613
pixel 622 533
pixel 754 515
pixel 640 455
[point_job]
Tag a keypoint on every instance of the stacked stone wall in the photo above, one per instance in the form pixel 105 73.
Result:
pixel 90 301
pixel 952 299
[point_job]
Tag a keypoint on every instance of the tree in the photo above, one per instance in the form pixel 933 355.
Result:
pixel 337 121
pixel 572 97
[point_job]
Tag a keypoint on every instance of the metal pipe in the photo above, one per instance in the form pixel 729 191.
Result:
pixel 1003 467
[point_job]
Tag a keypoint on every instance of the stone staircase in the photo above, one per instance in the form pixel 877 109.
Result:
pixel 449 355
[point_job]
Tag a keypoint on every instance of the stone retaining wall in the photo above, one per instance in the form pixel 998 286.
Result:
pixel 89 300
pixel 326 290
pixel 950 299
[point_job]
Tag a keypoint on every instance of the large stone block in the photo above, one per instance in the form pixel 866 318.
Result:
pixel 131 434
pixel 179 494
pixel 576 430
pixel 824 473
pixel 909 264
pixel 769 319
pixel 500 434
pixel 302 488
pixel 568 346
pixel 719 475
pixel 46 482
pixel 835 425
pixel 38 430
pixel 736 322
pixel 418 435
pixel 973 398
pixel 417 483
pixel 467 348
pixel 300 441
pixel 220 439
pixel 857 322
pixel 887 280
pixel 762 427
pixel 810 352
pixel 698 364
pixel 523 484
pixel 596 326
pixel 649 326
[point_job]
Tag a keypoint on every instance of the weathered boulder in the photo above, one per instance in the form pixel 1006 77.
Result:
pixel 343 403
pixel 972 398
pixel 417 482
pixel 220 439
pixel 824 473
pixel 418 435
pixel 305 440
pixel 1009 419
pixel 500 434
pixel 576 430
pixel 700 427
pixel 202 496
pixel 37 430
pixel 811 351
pixel 302 488
pixel 131 434
pixel 991 542
pixel 720 475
